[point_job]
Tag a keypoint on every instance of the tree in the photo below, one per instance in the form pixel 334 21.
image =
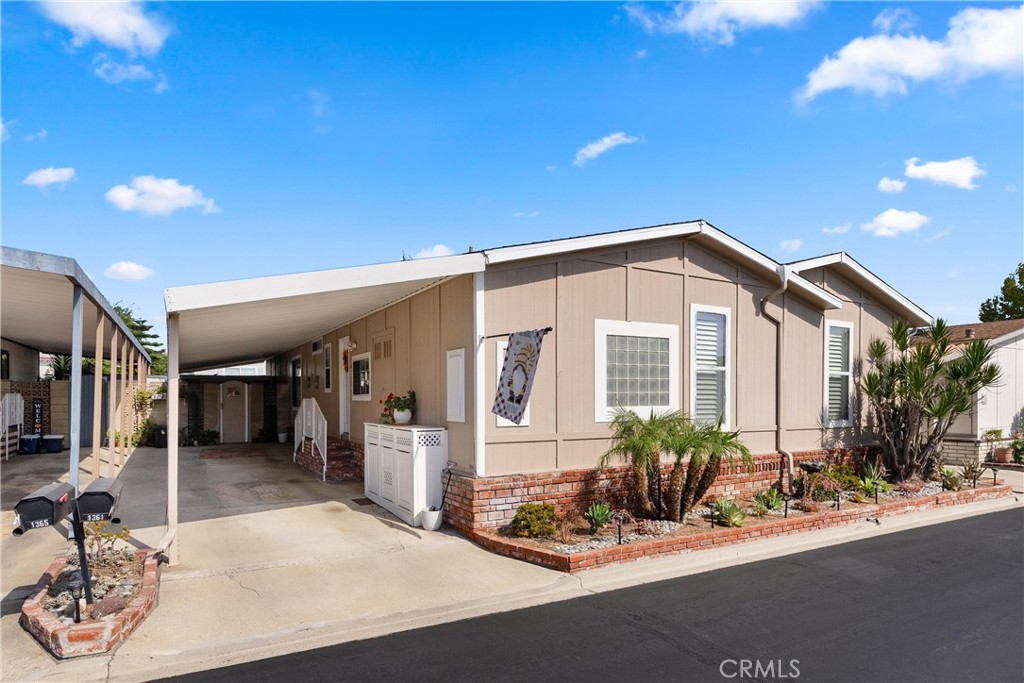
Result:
pixel 702 447
pixel 143 332
pixel 640 442
pixel 1009 303
pixel 914 394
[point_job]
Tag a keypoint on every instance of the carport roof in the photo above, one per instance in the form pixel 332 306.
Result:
pixel 36 307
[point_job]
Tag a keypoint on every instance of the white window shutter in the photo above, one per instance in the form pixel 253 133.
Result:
pixel 709 362
pixel 456 385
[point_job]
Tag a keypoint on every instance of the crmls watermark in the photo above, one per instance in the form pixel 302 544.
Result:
pixel 755 668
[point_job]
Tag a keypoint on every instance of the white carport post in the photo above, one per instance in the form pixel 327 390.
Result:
pixel 76 386
pixel 122 414
pixel 169 544
pixel 112 404
pixel 97 395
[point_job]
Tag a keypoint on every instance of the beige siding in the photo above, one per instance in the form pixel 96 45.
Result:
pixel 421 330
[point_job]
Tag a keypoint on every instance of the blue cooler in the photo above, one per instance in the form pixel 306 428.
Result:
pixel 53 443
pixel 29 444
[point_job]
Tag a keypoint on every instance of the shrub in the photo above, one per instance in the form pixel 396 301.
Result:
pixel 598 515
pixel 951 481
pixel 534 520
pixel 807 505
pixel 1018 447
pixel 727 512
pixel 144 435
pixel 771 499
pixel 567 524
pixel 818 487
pixel 971 470
pixel 209 437
pixel 844 475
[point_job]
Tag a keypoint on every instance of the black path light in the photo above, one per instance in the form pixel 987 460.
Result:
pixel 876 491
pixel 76 585
pixel 995 471
pixel 620 517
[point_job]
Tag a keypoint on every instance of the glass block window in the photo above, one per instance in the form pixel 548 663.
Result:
pixel 636 367
pixel 838 375
pixel 709 389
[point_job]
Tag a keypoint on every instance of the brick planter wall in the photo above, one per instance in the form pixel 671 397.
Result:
pixel 89 637
pixel 476 503
pixel 721 537
pixel 344 459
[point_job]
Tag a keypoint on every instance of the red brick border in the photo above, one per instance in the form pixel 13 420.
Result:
pixel 90 636
pixel 720 537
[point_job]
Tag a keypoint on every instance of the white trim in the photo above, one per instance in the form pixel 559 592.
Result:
pixel 328 368
pixel 344 387
pixel 291 381
pixel 843 259
pixel 367 356
pixel 827 373
pixel 727 312
pixel 500 347
pixel 602 328
pixel 479 378
pixel 455 386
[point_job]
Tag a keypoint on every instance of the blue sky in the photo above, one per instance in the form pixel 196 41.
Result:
pixel 163 144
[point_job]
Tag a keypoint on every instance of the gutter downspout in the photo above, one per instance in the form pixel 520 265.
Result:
pixel 780 337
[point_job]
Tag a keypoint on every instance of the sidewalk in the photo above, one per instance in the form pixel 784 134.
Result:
pixel 284 575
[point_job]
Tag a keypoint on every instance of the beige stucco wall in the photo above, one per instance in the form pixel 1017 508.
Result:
pixel 421 330
pixel 24 361
pixel 659 283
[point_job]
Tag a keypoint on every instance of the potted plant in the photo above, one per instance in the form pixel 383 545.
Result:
pixel 430 518
pixel 1003 454
pixel 1018 447
pixel 398 409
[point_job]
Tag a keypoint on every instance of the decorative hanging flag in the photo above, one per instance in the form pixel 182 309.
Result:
pixel 517 374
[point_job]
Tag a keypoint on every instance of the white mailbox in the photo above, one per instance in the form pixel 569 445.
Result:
pixel 403 468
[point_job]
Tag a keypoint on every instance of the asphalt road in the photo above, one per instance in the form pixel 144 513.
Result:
pixel 938 603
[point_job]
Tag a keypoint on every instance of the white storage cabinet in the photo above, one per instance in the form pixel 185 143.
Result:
pixel 403 468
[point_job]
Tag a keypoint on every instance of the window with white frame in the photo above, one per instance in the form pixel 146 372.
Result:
pixel 327 368
pixel 361 377
pixel 636 366
pixel 838 374
pixel 709 364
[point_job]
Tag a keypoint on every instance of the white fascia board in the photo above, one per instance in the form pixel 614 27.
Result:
pixel 610 239
pixel 916 313
pixel 194 297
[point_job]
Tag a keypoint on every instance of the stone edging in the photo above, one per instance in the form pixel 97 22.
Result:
pixel 720 537
pixel 89 637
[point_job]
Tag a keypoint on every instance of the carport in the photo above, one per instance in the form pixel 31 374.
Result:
pixel 235 322
pixel 48 304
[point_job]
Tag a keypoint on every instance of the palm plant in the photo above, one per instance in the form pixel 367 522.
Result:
pixel 706 447
pixel 640 442
pixel 685 439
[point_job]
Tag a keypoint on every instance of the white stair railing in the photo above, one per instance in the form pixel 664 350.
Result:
pixel 310 421
pixel 12 414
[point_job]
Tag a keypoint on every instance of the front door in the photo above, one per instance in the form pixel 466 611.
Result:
pixel 234 410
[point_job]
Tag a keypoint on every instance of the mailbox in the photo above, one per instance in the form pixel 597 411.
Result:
pixel 44 507
pixel 99 501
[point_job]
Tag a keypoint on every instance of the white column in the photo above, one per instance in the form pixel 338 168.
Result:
pixel 76 386
pixel 97 396
pixel 173 410
pixel 112 402
pixel 479 403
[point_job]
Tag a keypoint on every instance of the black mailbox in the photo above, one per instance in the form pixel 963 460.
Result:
pixel 99 501
pixel 44 507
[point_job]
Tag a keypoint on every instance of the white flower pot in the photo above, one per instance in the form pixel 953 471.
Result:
pixel 402 417
pixel 430 519
pixel 282 437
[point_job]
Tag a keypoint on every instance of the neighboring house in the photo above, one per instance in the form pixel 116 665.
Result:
pixel 1000 407
pixel 774 349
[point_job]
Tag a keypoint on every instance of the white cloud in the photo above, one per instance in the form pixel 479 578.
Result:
pixel 550 168
pixel 436 250
pixel 640 54
pixel 598 147
pixel 957 172
pixel 525 214
pixel 158 196
pixel 38 137
pixel 791 245
pixel 940 235
pixel 891 222
pixel 319 102
pixel 895 20
pixel 1010 188
pixel 5 131
pixel 979 42
pixel 719 22
pixel 837 230
pixel 161 85
pixel 127 270
pixel 45 177
pixel 891 185
pixel 113 72
pixel 121 25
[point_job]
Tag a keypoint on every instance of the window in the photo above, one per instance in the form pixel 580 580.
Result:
pixel 838 375
pixel 709 364
pixel 296 382
pixel 456 385
pixel 500 349
pixel 327 368
pixel 636 366
pixel 361 377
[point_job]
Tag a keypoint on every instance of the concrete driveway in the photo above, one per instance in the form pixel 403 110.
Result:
pixel 272 560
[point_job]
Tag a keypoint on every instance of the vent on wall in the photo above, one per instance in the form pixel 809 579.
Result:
pixel 382 349
pixel 318 345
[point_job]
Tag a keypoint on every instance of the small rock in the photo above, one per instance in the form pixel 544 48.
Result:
pixel 108 605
